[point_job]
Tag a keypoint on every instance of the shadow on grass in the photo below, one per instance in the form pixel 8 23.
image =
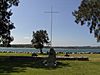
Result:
pixel 39 64
pixel 8 66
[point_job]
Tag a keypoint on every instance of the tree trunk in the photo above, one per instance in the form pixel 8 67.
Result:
pixel 41 51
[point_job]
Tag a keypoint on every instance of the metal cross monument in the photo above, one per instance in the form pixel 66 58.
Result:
pixel 51 12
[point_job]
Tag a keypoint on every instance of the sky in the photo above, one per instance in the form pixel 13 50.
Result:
pixel 30 16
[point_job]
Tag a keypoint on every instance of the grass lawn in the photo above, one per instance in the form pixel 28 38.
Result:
pixel 91 67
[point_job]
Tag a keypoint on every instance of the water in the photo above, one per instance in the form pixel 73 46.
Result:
pixel 64 50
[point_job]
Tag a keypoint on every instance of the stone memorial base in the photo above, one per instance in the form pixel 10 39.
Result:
pixel 51 60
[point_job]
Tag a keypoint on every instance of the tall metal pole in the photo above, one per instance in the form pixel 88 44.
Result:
pixel 51 25
pixel 51 12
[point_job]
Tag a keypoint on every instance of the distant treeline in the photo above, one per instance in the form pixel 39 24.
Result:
pixel 69 47
pixel 80 47
pixel 20 45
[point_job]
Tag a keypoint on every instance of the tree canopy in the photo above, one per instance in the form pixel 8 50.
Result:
pixel 39 39
pixel 5 24
pixel 89 13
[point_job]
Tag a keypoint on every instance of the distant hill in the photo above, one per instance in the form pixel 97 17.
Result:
pixel 20 45
pixel 68 47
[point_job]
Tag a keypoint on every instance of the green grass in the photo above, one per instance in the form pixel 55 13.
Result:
pixel 64 68
pixel 15 54
pixel 20 54
pixel 25 67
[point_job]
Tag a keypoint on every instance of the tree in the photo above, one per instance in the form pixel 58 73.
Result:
pixel 89 13
pixel 5 24
pixel 39 39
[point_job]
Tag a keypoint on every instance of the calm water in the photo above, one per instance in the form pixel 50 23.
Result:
pixel 2 49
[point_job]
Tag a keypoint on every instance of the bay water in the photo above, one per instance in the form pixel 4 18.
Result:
pixel 33 50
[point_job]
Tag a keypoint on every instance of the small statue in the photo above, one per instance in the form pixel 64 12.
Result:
pixel 51 60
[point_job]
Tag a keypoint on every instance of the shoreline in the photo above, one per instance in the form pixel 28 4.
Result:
pixel 67 47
